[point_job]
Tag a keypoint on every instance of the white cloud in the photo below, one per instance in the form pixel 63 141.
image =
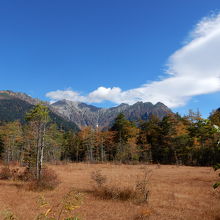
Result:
pixel 65 94
pixel 192 70
pixel 102 93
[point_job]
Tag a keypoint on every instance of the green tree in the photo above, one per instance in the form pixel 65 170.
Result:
pixel 88 140
pixel 174 138
pixel 38 119
pixel 11 134
pixel 149 140
pixel 203 134
pixel 125 138
pixel 215 117
pixel 72 147
pixel 53 143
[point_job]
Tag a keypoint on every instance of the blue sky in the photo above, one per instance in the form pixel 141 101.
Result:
pixel 97 51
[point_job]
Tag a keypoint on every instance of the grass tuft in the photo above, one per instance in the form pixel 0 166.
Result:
pixel 138 193
pixel 5 173
pixel 48 181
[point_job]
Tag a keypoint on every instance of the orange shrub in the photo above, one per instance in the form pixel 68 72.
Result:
pixel 5 173
pixel 48 181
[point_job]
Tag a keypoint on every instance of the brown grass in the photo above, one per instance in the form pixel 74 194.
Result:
pixel 175 193
pixel 5 173
pixel 138 193
pixel 48 181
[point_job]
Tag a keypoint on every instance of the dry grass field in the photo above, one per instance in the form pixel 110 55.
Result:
pixel 175 193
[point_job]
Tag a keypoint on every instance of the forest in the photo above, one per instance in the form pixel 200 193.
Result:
pixel 137 164
pixel 182 140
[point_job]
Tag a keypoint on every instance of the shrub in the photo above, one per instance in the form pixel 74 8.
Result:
pixel 21 174
pixel 114 192
pixel 5 173
pixel 16 174
pixel 8 215
pixel 216 167
pixel 26 175
pixel 65 207
pixel 48 181
pixel 98 178
pixel 142 187
pixel 138 193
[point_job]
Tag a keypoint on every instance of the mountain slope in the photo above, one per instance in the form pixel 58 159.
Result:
pixel 14 107
pixel 88 115
pixel 74 115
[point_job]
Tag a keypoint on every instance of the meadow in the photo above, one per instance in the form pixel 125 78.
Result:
pixel 176 192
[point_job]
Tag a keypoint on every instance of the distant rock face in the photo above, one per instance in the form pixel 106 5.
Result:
pixel 88 115
pixel 81 113
pixel 13 105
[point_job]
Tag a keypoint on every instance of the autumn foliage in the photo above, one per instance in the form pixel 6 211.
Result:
pixel 188 140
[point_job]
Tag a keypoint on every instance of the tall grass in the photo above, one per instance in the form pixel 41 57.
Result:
pixel 138 192
pixel 48 181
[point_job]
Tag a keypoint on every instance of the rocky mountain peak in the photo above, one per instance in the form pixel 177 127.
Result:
pixel 83 114
pixel 88 115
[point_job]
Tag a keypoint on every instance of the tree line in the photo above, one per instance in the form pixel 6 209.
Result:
pixel 188 140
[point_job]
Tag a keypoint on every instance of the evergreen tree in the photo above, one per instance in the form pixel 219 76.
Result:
pixel 38 118
pixel 125 138
pixel 11 135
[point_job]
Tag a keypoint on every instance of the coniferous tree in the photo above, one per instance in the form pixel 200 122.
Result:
pixel 38 118
pixel 11 136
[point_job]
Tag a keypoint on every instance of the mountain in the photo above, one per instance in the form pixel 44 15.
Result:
pixel 13 106
pixel 19 95
pixel 89 115
pixel 74 115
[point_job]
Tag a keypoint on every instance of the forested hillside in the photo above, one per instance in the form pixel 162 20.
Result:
pixel 189 140
pixel 13 108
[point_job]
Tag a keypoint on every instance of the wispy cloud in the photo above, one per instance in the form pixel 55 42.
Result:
pixel 192 70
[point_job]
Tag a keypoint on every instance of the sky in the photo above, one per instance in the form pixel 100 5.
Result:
pixel 107 52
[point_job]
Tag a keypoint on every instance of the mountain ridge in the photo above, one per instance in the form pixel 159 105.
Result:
pixel 82 114
pixel 88 115
pixel 13 106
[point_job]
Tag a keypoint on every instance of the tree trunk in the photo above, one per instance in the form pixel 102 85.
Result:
pixel 42 150
pixel 38 153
